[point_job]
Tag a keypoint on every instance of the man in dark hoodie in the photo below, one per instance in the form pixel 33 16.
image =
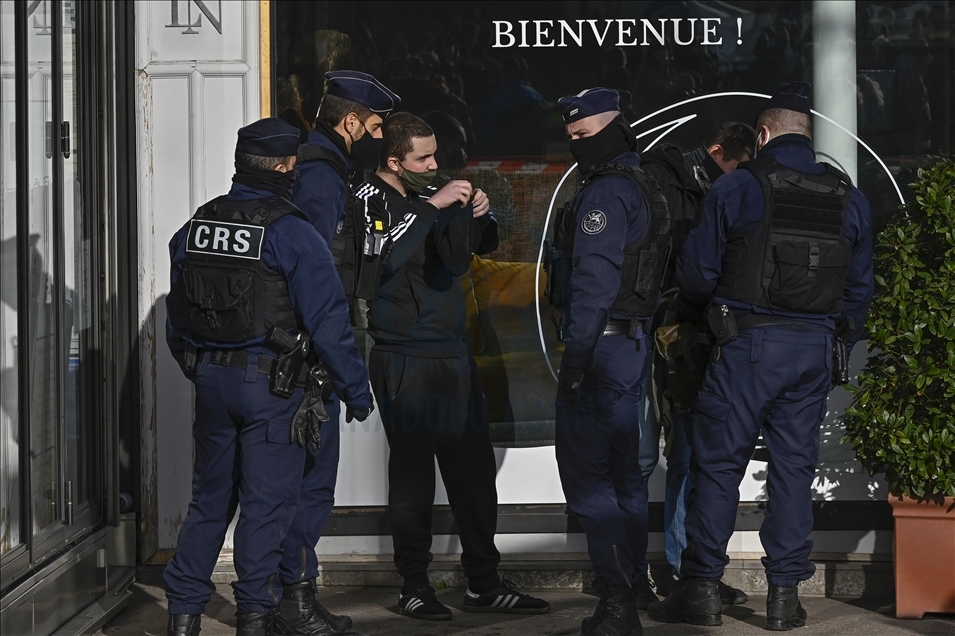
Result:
pixel 617 235
pixel 425 380
pixel 685 178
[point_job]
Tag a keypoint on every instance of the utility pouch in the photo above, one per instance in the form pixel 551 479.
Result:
pixel 192 358
pixel 722 324
pixel 840 352
pixel 292 348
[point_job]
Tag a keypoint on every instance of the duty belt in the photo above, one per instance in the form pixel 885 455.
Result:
pixel 747 320
pixel 239 359
pixel 616 328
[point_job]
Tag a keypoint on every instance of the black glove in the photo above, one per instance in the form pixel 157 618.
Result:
pixel 357 414
pixel 568 381
pixel 307 421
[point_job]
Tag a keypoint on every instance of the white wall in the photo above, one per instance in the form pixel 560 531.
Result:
pixel 197 86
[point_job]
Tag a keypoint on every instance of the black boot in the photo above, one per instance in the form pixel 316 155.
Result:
pixel 183 625
pixel 254 624
pixel 300 614
pixel 783 609
pixel 616 613
pixel 693 601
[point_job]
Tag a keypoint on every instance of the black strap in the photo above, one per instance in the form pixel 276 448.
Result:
pixel 239 359
pixel 746 320
pixel 314 152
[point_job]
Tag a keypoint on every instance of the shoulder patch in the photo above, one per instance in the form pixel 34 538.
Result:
pixel 594 222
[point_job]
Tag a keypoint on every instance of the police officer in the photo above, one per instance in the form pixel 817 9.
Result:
pixel 425 380
pixel 348 127
pixel 685 177
pixel 784 249
pixel 250 296
pixel 606 351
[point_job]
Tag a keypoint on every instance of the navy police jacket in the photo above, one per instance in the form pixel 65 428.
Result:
pixel 611 214
pixel 319 190
pixel 293 248
pixel 420 307
pixel 734 206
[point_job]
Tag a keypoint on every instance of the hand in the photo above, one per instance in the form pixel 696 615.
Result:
pixel 481 203
pixel 457 191
pixel 357 414
pixel 307 422
pixel 568 381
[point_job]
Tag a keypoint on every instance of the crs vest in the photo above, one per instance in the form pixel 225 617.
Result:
pixel 644 260
pixel 797 258
pixel 231 295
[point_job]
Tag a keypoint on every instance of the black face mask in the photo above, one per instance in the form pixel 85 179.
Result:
pixel 366 149
pixel 615 139
pixel 278 183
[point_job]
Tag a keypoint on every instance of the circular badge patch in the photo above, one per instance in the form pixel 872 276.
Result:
pixel 594 222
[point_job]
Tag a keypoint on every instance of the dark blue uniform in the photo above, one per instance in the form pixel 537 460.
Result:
pixel 598 432
pixel 774 378
pixel 321 193
pixel 243 452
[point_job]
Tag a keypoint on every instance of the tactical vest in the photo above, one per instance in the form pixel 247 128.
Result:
pixel 346 245
pixel 797 258
pixel 231 295
pixel 644 260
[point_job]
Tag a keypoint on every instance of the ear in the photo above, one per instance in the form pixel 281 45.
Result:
pixel 352 122
pixel 716 151
pixel 393 164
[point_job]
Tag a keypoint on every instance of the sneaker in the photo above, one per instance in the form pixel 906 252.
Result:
pixel 504 599
pixel 643 590
pixel 729 595
pixel 423 604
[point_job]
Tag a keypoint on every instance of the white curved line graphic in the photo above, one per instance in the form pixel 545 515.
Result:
pixel 673 126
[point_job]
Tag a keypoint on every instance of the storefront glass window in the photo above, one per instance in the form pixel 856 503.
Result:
pixel 487 77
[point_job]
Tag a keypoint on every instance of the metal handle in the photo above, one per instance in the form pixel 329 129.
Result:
pixel 65 145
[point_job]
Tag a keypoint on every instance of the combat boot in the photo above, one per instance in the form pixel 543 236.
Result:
pixel 783 609
pixel 301 614
pixel 616 613
pixel 183 625
pixel 692 600
pixel 250 624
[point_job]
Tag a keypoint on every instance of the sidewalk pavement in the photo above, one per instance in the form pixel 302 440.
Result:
pixel 374 611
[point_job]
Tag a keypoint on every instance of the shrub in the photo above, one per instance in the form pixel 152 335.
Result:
pixel 902 420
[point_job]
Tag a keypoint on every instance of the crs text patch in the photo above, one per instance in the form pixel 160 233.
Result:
pixel 225 239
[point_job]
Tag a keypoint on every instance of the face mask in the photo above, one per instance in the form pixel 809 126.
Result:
pixel 279 183
pixel 366 149
pixel 615 139
pixel 417 181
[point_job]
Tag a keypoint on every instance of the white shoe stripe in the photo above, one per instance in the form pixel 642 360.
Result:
pixel 514 601
pixel 497 601
pixel 414 604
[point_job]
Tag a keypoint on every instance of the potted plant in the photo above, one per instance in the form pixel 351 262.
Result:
pixel 902 421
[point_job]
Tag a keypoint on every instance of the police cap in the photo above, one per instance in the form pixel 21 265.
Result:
pixel 269 137
pixel 791 96
pixel 591 101
pixel 361 88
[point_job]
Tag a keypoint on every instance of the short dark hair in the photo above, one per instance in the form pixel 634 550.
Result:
pixel 737 140
pixel 782 121
pixel 397 132
pixel 259 162
pixel 333 109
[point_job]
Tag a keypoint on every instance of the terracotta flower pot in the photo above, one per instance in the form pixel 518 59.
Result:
pixel 924 556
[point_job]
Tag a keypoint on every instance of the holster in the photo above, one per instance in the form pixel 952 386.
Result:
pixel 840 352
pixel 292 348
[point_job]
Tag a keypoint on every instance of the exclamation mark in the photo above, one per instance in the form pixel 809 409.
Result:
pixel 739 30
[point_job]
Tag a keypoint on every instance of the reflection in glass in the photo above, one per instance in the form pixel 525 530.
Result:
pixel 41 340
pixel 78 285
pixel 10 504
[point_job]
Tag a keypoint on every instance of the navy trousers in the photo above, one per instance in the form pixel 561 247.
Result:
pixel 597 441
pixel 775 379
pixel 243 456
pixel 315 502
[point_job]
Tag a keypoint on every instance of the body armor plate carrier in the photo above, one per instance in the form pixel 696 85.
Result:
pixel 796 259
pixel 232 296
pixel 644 260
